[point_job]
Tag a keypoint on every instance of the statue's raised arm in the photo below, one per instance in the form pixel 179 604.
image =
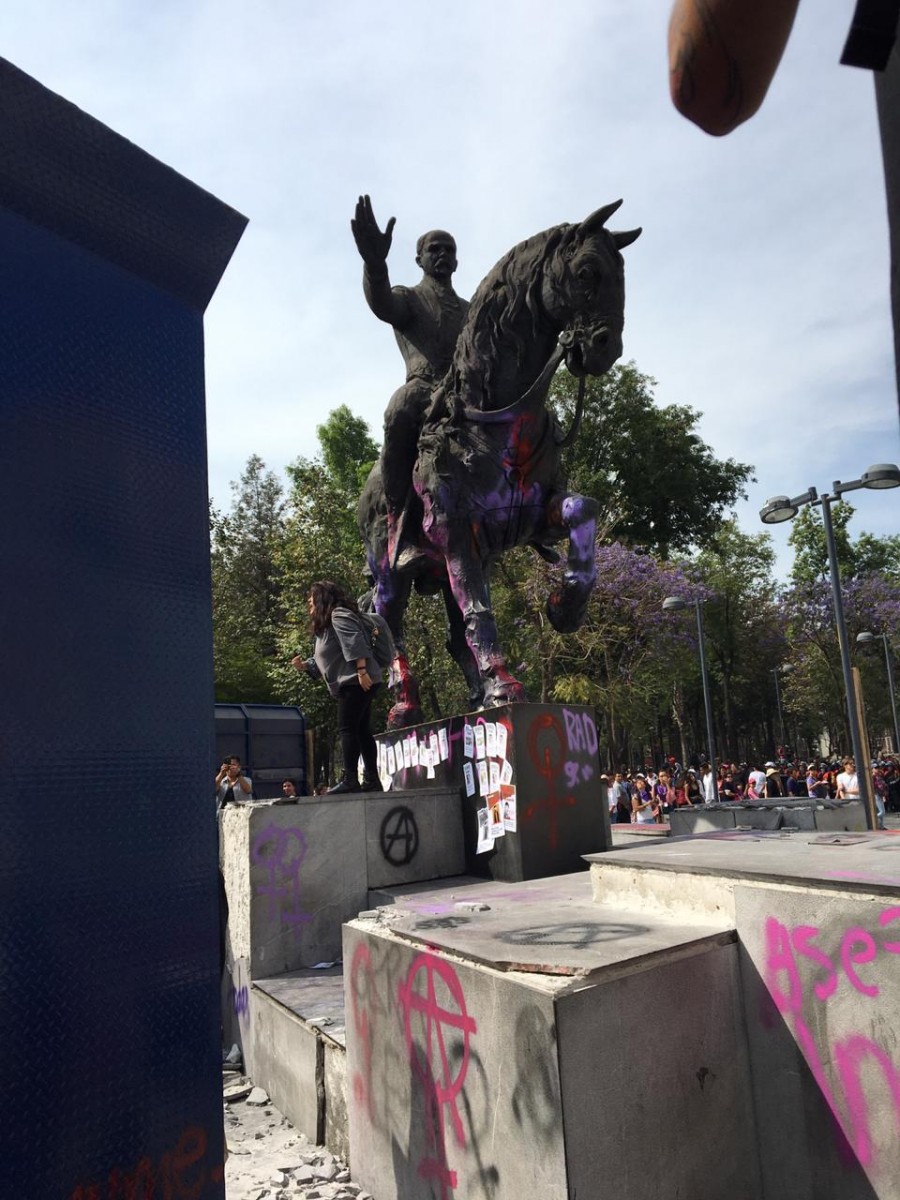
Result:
pixel 374 245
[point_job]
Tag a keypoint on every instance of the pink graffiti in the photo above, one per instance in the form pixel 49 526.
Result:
pixel 784 984
pixel 424 1021
pixel 540 753
pixel 361 981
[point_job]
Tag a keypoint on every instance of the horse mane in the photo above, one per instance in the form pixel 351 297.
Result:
pixel 512 287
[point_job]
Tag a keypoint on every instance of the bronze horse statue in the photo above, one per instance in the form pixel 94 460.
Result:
pixel 488 474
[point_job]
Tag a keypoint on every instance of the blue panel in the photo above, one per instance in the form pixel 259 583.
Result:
pixel 109 983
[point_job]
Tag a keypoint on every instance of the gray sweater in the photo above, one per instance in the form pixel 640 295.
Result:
pixel 338 648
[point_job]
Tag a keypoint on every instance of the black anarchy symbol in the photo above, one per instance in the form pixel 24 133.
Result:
pixel 399 836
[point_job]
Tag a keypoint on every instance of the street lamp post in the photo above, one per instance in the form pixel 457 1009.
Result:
pixel 785 508
pixel 676 604
pixel 780 711
pixel 863 639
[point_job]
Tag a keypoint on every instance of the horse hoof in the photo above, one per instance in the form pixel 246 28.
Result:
pixel 504 691
pixel 402 716
pixel 566 609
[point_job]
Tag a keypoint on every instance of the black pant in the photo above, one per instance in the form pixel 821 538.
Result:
pixel 353 727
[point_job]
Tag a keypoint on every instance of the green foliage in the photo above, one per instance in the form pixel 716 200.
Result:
pixel 348 449
pixel 246 545
pixel 660 489
pixel 658 483
pixel 743 637
pixel 864 556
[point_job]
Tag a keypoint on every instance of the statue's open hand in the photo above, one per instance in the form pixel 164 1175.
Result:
pixel 372 244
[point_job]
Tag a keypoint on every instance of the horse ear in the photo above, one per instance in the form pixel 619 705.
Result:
pixel 625 239
pixel 599 218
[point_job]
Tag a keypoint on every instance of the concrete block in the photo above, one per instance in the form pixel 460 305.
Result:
pixel 690 821
pixel 413 836
pixel 293 874
pixel 822 992
pixel 542 759
pixel 235 1003
pixel 850 817
pixel 390 895
pixel 284 1056
pixel 802 819
pixel 469 1075
pixel 758 818
pixel 656 1094
pixel 337 1126
pixel 443 1058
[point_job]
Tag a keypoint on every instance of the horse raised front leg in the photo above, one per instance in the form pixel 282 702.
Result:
pixel 390 600
pixel 470 591
pixel 567 605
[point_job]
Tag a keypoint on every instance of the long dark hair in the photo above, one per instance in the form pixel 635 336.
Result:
pixel 326 597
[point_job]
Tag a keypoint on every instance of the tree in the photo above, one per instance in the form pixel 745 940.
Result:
pixel 246 584
pixel 321 541
pixel 658 483
pixel 743 636
pixel 348 449
pixel 624 659
pixel 867 555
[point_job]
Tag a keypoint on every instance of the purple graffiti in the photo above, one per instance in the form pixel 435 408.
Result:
pixel 581 732
pixel 281 852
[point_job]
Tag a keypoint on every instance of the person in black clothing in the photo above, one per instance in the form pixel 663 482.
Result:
pixel 344 658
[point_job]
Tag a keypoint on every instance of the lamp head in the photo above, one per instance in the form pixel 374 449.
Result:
pixel 673 604
pixel 864 638
pixel 881 476
pixel 778 509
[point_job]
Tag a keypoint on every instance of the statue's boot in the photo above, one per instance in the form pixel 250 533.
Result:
pixel 398 545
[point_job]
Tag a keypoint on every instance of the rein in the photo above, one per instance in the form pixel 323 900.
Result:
pixel 497 416
pixel 576 420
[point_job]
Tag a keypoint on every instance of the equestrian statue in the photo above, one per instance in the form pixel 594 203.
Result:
pixel 471 461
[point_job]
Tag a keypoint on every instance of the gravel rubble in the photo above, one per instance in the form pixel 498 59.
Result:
pixel 268 1159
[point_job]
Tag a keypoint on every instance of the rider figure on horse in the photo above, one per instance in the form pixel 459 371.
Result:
pixel 427 320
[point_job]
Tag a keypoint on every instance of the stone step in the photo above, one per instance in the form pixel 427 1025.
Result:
pixel 295 1048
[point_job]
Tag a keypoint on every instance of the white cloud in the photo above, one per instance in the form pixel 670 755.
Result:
pixel 758 293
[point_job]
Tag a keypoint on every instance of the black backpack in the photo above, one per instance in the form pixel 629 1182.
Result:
pixel 383 648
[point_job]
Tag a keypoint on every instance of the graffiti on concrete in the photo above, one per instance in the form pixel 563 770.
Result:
pixel 577 934
pixel 434 1016
pixel 536 1103
pixel 360 985
pixel 800 976
pixel 581 735
pixel 399 836
pixel 548 748
pixel 280 852
pixel 450 922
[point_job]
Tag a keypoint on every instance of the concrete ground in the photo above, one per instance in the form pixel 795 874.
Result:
pixel 270 1160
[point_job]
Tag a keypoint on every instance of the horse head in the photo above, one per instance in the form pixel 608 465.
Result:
pixel 583 292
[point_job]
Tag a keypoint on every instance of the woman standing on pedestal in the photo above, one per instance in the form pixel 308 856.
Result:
pixel 343 658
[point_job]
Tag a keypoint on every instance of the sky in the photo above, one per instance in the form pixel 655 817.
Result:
pixel 757 294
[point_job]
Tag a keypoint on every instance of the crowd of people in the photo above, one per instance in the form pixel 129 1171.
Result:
pixel 647 797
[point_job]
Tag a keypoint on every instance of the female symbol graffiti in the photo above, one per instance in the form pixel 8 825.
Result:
pixel 428 1056
pixel 539 752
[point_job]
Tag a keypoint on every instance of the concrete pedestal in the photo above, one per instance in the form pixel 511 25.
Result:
pixel 817 917
pixel 525 1044
pixel 294 872
pixel 529 778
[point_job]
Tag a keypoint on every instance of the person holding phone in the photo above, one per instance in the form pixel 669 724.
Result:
pixel 231 782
